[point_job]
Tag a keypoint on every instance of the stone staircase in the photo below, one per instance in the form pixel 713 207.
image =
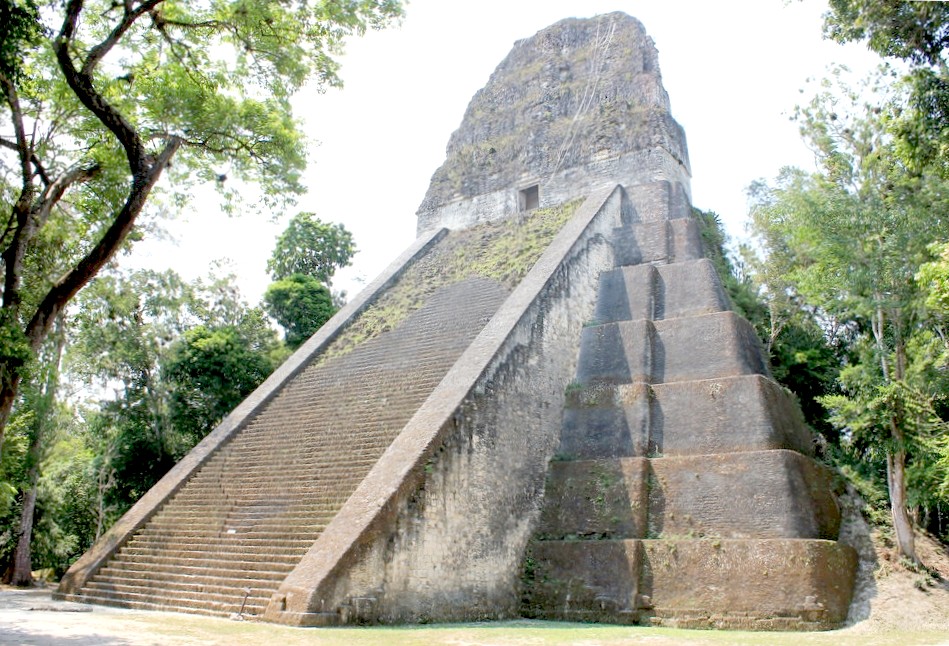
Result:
pixel 683 492
pixel 227 539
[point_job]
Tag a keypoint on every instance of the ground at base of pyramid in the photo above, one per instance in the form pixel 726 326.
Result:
pixel 899 613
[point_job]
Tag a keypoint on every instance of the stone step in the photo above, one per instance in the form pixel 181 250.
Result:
pixel 184 549
pixel 299 505
pixel 657 292
pixel 195 604
pixel 764 494
pixel 799 583
pixel 249 546
pixel 228 511
pixel 209 591
pixel 323 458
pixel 237 519
pixel 269 489
pixel 166 606
pixel 159 574
pixel 276 486
pixel 659 242
pixel 744 413
pixel 217 536
pixel 205 534
pixel 197 560
pixel 684 349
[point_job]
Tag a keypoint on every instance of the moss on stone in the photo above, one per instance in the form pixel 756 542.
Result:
pixel 503 250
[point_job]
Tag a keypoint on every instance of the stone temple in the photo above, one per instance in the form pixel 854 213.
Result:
pixel 543 408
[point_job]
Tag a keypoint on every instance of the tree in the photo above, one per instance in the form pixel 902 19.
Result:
pixel 302 264
pixel 851 238
pixel 102 96
pixel 917 33
pixel 211 370
pixel 42 426
pixel 301 304
pixel 311 247
pixel 178 356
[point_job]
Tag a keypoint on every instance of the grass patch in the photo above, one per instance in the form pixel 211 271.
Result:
pixel 503 250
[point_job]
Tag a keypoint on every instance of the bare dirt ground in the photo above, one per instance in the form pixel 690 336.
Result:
pixel 894 605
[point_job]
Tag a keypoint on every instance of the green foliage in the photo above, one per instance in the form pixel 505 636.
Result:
pixel 845 245
pixel 105 101
pixel 211 370
pixel 933 279
pixel 504 250
pixel 302 264
pixel 914 31
pixel 311 248
pixel 917 33
pixel 178 356
pixel 301 304
pixel 20 29
pixel 14 460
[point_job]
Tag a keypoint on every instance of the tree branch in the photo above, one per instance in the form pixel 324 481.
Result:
pixel 129 17
pixel 21 145
pixel 101 253
pixel 20 218
pixel 33 159
pixel 81 84
pixel 54 192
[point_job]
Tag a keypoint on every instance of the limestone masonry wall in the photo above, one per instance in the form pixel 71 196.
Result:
pixel 437 529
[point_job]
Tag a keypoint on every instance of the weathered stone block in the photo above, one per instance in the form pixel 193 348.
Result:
pixel 662 241
pixel 583 580
pixel 627 294
pixel 745 413
pixel 607 420
pixel 766 494
pixel 662 200
pixel 689 288
pixel 659 292
pixel 596 499
pixel 617 352
pixel 762 494
pixel 750 584
pixel 698 347
pixel 767 584
pixel 706 347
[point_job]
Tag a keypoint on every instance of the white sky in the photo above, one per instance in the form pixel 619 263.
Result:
pixel 733 70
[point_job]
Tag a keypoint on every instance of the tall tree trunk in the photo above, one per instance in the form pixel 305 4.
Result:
pixel 43 425
pixel 896 458
pixel 902 524
pixel 23 556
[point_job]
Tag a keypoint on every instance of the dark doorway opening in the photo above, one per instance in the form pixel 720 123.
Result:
pixel 528 198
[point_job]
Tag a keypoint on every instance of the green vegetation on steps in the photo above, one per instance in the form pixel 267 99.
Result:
pixel 502 250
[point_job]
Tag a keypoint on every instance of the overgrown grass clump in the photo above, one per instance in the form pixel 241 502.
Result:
pixel 503 250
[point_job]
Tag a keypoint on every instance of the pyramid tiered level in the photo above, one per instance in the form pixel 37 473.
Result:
pixel 683 492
